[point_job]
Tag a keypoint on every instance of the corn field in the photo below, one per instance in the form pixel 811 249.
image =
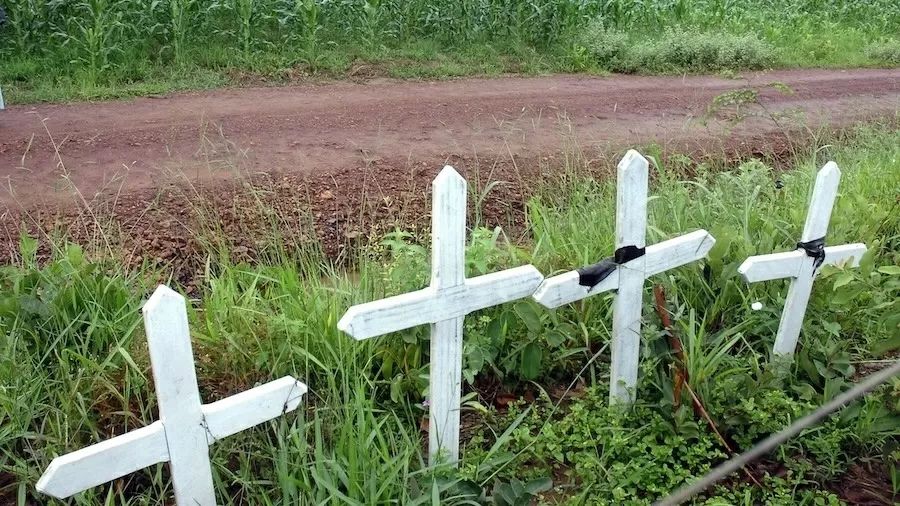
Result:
pixel 94 36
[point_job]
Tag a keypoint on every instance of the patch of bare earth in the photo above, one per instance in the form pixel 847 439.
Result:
pixel 155 180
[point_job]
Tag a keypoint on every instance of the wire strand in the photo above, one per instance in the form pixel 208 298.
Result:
pixel 765 446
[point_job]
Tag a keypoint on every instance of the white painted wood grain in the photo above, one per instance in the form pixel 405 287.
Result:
pixel 253 407
pixel 97 464
pixel 185 429
pixel 787 264
pixel 448 270
pixel 445 390
pixel 631 200
pixel 799 266
pixel 443 304
pixel 631 230
pixel 448 230
pixel 773 266
pixel 822 202
pixel 429 305
pixel 845 255
pixel 794 309
pixel 660 257
pixel 172 361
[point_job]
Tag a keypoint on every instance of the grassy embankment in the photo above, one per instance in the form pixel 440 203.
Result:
pixel 113 48
pixel 74 366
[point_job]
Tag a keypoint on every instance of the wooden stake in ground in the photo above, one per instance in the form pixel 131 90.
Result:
pixel 185 428
pixel 625 272
pixel 443 304
pixel 803 264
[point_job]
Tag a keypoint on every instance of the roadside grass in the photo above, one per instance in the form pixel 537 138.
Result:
pixel 74 368
pixel 117 48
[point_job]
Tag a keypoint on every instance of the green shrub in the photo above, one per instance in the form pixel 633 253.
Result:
pixel 607 47
pixel 885 52
pixel 676 50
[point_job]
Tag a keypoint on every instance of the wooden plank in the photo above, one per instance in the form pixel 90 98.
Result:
pixel 399 312
pixel 445 391
pixel 105 461
pixel 631 227
pixel 253 407
pixel 169 339
pixel 773 266
pixel 448 271
pixel 676 252
pixel 824 194
pixel 448 230
pixel 794 309
pixel 631 200
pixel 565 288
pixel 845 255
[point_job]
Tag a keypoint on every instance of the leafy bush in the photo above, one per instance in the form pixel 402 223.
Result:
pixel 676 50
pixel 885 52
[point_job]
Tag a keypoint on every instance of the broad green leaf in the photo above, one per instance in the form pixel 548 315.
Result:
pixel 531 361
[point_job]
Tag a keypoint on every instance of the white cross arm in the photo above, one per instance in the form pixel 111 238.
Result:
pixel 251 408
pixel 789 263
pixel 430 305
pixel 660 257
pixel 97 464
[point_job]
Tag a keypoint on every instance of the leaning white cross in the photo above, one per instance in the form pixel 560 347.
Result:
pixel 802 264
pixel 626 272
pixel 443 304
pixel 185 428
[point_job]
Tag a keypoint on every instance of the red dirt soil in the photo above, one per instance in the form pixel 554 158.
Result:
pixel 316 129
pixel 338 164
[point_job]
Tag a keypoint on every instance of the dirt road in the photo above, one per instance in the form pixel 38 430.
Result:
pixel 341 128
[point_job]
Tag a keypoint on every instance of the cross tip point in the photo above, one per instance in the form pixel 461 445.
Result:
pixel 345 324
pixel 536 276
pixel 544 296
pixel 162 295
pixel 708 241
pixel 448 174
pixel 830 169
pixel 633 161
pixel 47 483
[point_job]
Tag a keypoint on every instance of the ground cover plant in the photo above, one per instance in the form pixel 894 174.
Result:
pixel 106 48
pixel 74 366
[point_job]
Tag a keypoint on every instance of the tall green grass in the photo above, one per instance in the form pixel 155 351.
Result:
pixel 74 367
pixel 96 48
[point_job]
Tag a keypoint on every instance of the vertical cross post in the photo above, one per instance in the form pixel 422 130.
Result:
pixel 448 260
pixel 443 305
pixel 803 264
pixel 186 428
pixel 631 230
pixel 625 273
pixel 178 395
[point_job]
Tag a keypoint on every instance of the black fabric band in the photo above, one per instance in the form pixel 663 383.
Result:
pixel 815 249
pixel 592 274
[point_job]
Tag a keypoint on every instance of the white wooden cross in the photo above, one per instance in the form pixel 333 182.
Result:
pixel 185 428
pixel 799 265
pixel 443 304
pixel 628 277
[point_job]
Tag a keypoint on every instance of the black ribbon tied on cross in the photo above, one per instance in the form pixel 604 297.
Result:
pixel 591 275
pixel 814 249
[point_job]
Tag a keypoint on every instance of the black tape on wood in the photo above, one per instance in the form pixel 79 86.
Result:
pixel 592 274
pixel 815 249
